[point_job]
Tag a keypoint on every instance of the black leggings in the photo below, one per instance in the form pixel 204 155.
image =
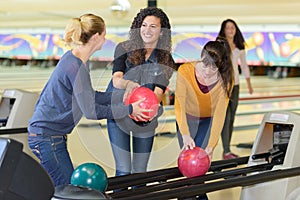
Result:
pixel 229 119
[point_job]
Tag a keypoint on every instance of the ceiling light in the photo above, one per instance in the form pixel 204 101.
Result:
pixel 120 8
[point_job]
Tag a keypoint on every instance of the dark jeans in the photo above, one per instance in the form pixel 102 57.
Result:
pixel 54 157
pixel 200 131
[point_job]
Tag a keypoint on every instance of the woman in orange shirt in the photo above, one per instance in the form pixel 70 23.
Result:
pixel 202 94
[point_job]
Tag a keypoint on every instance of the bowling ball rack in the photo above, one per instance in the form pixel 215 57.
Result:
pixel 13 131
pixel 170 183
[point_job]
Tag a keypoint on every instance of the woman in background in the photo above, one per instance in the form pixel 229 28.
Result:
pixel 235 39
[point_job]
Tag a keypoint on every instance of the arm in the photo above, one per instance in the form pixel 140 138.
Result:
pixel 250 89
pixel 180 111
pixel 218 120
pixel 159 93
pixel 93 105
pixel 96 105
pixel 120 83
pixel 95 110
pixel 119 68
pixel 103 98
pixel 245 70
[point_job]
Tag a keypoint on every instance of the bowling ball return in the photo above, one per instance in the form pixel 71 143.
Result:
pixel 277 141
pixel 272 164
pixel 71 192
pixel 169 183
pixel 16 108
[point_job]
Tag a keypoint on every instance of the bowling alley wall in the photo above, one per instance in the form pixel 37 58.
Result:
pixel 266 45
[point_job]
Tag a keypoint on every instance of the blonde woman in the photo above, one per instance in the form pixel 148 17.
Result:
pixel 68 95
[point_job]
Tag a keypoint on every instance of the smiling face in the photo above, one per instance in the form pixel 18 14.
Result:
pixel 150 31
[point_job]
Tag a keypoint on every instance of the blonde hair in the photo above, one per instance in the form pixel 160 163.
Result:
pixel 81 29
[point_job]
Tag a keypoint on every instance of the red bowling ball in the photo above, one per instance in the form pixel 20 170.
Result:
pixel 150 102
pixel 193 162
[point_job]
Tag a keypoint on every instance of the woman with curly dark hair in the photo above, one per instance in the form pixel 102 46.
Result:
pixel 143 60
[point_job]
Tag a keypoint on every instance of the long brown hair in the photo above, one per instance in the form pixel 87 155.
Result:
pixel 238 38
pixel 217 52
pixel 135 43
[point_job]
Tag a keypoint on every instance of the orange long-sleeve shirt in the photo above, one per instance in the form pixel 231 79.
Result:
pixel 189 99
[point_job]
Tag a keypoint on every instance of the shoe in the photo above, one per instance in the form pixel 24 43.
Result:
pixel 229 155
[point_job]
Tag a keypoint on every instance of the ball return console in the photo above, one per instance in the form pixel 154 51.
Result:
pixel 271 171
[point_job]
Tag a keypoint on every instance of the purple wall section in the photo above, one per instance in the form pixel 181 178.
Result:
pixel 263 48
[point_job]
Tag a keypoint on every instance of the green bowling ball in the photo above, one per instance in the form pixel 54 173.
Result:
pixel 90 175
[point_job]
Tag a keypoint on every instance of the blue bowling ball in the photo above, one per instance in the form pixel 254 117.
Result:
pixel 90 175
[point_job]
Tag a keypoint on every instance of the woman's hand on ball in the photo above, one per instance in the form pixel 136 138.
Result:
pixel 138 112
pixel 129 87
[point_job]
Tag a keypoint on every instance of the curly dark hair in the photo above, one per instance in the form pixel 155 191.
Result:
pixel 135 43
pixel 238 39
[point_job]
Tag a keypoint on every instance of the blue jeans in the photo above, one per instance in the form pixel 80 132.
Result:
pixel 54 156
pixel 199 130
pixel 142 143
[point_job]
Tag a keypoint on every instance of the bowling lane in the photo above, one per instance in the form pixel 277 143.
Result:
pixel 31 79
pixel 269 87
pixel 34 78
pixel 89 142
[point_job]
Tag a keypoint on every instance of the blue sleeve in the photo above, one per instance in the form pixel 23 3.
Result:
pixel 95 105
pixel 103 98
